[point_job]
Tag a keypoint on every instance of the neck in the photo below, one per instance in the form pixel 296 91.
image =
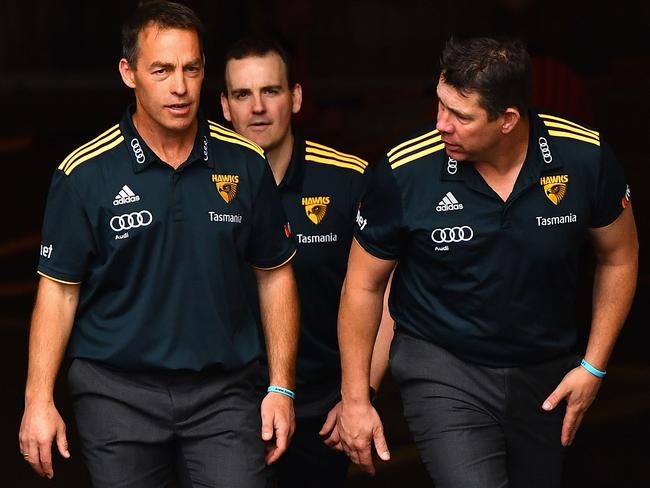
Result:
pixel 172 147
pixel 510 153
pixel 279 158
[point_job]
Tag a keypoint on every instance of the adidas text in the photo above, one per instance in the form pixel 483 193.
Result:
pixel 123 200
pixel 449 206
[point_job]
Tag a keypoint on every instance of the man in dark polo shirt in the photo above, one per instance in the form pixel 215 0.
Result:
pixel 485 214
pixel 320 189
pixel 148 231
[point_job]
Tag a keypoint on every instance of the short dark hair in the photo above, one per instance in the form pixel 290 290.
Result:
pixel 498 70
pixel 164 14
pixel 258 46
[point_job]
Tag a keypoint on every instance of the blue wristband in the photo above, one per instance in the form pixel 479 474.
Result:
pixel 596 372
pixel 283 391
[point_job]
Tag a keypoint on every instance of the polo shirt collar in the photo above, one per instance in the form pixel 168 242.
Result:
pixel 293 177
pixel 540 157
pixel 142 156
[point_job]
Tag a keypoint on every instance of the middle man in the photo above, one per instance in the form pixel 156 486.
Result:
pixel 320 189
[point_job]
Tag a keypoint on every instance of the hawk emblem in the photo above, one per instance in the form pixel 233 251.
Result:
pixel 316 208
pixel 227 190
pixel 226 186
pixel 316 212
pixel 555 192
pixel 555 187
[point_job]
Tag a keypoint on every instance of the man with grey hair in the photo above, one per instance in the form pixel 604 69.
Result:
pixel 148 232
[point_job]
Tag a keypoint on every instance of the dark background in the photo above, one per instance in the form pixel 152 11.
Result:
pixel 367 69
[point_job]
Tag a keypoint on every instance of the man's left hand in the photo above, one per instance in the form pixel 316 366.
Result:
pixel 278 424
pixel 579 388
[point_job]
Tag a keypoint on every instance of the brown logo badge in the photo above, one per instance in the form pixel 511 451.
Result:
pixel 316 208
pixel 555 187
pixel 226 186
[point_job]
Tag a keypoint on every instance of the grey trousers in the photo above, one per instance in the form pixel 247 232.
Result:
pixel 480 427
pixel 136 426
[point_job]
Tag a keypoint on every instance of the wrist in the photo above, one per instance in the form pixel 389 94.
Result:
pixel 282 391
pixel 598 373
pixel 32 399
pixel 360 397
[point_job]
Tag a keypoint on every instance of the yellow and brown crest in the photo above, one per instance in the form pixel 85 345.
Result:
pixel 226 186
pixel 555 187
pixel 316 208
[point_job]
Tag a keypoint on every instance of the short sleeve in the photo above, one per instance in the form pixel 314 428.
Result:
pixel 612 192
pixel 379 227
pixel 270 244
pixel 359 186
pixel 67 242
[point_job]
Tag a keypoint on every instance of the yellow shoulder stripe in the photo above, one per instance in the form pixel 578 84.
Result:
pixel 334 162
pixel 57 280
pixel 84 146
pixel 232 133
pixel 417 155
pixel 232 136
pixel 559 119
pixel 73 164
pixel 336 154
pixel 232 140
pixel 329 155
pixel 413 148
pixel 411 141
pixel 573 135
pixel 89 147
pixel 558 125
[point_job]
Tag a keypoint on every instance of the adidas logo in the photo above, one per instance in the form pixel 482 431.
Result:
pixel 449 203
pixel 125 195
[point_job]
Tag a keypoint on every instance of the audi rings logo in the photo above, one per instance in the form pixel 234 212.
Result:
pixel 452 234
pixel 131 220
pixel 137 150
pixel 205 148
pixel 452 166
pixel 546 151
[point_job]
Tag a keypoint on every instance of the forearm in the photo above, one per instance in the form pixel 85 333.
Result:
pixel 359 318
pixel 51 325
pixel 381 349
pixel 617 250
pixel 280 320
pixel 614 286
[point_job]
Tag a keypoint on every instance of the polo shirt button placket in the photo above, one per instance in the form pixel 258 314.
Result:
pixel 506 222
pixel 177 200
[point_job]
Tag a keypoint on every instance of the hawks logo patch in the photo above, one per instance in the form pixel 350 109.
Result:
pixel 555 187
pixel 226 186
pixel 315 208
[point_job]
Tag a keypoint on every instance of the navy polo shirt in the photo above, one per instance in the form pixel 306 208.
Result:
pixel 160 253
pixel 320 195
pixel 493 282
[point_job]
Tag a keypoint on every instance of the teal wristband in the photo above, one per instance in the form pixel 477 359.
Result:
pixel 596 372
pixel 282 391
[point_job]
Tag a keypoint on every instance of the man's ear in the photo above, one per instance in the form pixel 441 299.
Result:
pixel 225 108
pixel 296 98
pixel 510 119
pixel 127 74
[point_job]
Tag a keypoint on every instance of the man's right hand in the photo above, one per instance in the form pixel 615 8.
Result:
pixel 359 426
pixel 41 425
